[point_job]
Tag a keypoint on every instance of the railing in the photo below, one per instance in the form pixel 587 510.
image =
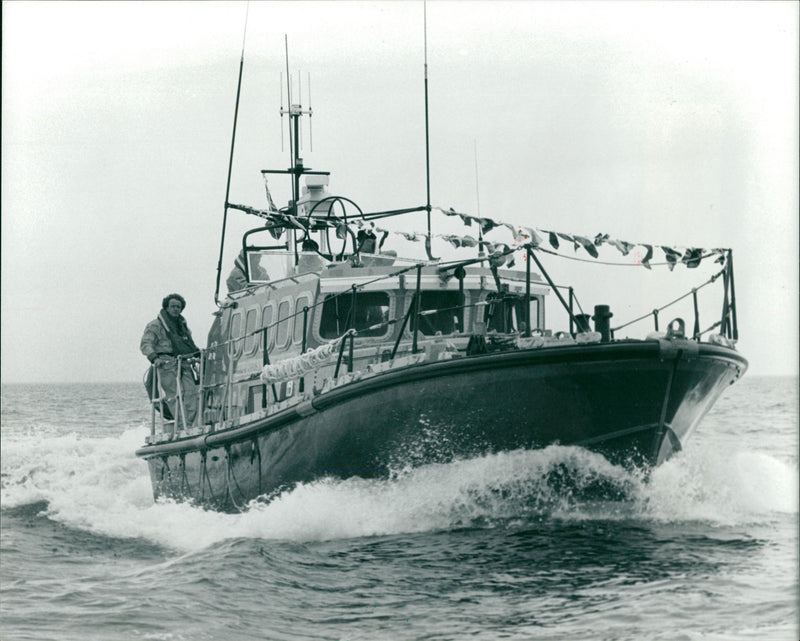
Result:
pixel 172 411
pixel 413 315
pixel 728 323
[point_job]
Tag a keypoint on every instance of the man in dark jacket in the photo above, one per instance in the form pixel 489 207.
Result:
pixel 163 340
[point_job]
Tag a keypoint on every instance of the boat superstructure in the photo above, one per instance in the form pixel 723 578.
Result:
pixel 333 355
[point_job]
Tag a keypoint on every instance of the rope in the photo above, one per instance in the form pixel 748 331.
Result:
pixel 230 475
pixel 204 473
pixel 595 261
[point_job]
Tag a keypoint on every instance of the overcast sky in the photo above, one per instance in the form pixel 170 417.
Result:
pixel 672 123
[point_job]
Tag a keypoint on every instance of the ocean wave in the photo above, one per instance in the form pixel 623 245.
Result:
pixel 98 485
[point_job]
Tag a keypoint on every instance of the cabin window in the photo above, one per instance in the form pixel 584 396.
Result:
pixel 282 331
pixel 250 337
pixel 236 331
pixel 507 314
pixel 257 267
pixel 267 321
pixel 372 308
pixel 439 312
pixel 298 319
pixel 534 313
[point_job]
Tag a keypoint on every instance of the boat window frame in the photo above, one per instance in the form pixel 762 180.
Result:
pixel 268 321
pixel 278 320
pixel 251 340
pixel 468 313
pixel 235 334
pixel 443 291
pixel 297 330
pixel 388 332
pixel 537 318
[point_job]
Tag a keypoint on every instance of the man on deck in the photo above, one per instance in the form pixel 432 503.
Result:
pixel 163 340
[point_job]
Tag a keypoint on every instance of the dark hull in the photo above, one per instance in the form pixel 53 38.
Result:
pixel 632 401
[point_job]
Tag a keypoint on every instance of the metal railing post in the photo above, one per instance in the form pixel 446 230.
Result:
pixel 417 301
pixel 303 346
pixel 655 318
pixel 733 298
pixel 411 307
pixel 460 274
pixel 351 316
pixel 350 353
pixel 265 361
pixel 696 333
pixel 571 310
pixel 339 359
pixel 528 292
pixel 200 391
pixel 179 400
pixel 555 289
pixel 724 323
pixel 153 398
pixel 229 382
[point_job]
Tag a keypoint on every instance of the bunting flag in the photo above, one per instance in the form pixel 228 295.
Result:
pixel 487 224
pixel 341 230
pixel 522 236
pixel 459 241
pixel 692 257
pixel 623 247
pixel 672 256
pixel 648 256
pixel 272 207
pixel 588 245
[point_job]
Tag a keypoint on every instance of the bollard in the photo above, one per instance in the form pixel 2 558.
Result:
pixel 602 317
pixel 582 322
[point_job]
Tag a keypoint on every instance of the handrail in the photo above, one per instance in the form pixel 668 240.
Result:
pixel 656 311
pixel 413 314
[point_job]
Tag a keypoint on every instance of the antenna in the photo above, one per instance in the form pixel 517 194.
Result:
pixel 289 111
pixel 230 161
pixel 427 137
pixel 281 107
pixel 310 113
pixel 299 122
pixel 477 192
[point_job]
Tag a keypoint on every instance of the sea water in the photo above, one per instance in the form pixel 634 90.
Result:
pixel 549 544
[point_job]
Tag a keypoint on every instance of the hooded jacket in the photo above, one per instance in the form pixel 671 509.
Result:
pixel 156 338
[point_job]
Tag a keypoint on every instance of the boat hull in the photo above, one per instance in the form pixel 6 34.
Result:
pixel 632 401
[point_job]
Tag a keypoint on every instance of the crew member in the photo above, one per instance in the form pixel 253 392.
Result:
pixel 163 340
pixel 237 279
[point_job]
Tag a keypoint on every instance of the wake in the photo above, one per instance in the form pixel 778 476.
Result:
pixel 98 485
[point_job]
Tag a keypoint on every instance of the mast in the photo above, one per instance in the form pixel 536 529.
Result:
pixel 296 168
pixel 230 162
pixel 427 137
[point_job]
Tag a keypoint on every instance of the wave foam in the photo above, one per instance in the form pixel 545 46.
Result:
pixel 98 485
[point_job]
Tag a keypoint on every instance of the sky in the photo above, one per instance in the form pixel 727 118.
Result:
pixel 669 123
